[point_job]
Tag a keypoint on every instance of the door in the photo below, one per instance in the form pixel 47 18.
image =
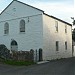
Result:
pixel 40 55
pixel 14 45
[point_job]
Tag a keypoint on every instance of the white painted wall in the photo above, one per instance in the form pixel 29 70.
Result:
pixel 50 36
pixel 32 38
pixel 39 31
pixel 21 10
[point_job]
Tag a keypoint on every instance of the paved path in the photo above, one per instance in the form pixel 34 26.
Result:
pixel 60 67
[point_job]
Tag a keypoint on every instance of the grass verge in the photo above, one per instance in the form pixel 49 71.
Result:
pixel 17 63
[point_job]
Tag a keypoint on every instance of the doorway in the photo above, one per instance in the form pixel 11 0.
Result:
pixel 40 55
pixel 14 45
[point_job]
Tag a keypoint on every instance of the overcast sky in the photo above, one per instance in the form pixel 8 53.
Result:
pixel 63 9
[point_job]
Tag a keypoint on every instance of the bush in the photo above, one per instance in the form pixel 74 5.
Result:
pixel 4 52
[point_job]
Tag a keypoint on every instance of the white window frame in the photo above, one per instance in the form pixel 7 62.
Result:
pixel 65 45
pixel 56 26
pixel 6 28
pixel 22 25
pixel 65 28
pixel 57 45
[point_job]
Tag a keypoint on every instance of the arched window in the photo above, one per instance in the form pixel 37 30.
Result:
pixel 22 26
pixel 6 28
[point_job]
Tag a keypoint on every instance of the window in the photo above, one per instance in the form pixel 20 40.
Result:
pixel 57 45
pixel 56 25
pixel 22 26
pixel 6 28
pixel 65 45
pixel 65 28
pixel 14 9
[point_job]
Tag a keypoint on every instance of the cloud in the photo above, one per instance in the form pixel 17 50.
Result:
pixel 66 2
pixel 59 10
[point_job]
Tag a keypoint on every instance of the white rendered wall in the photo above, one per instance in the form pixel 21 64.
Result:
pixel 39 31
pixel 50 36
pixel 18 10
pixel 31 39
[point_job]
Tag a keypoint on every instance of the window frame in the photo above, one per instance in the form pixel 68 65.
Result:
pixel 56 26
pixel 65 45
pixel 65 28
pixel 57 45
pixel 22 26
pixel 6 28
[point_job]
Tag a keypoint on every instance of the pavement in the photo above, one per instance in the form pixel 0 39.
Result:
pixel 55 67
pixel 42 62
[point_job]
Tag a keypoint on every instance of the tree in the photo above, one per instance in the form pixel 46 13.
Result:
pixel 74 22
pixel 4 52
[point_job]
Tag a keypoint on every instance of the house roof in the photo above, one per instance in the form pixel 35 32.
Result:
pixel 37 9
pixel 58 19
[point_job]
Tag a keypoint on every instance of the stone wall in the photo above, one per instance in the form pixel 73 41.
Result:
pixel 23 55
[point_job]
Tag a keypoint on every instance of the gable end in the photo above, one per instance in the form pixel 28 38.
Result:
pixel 23 4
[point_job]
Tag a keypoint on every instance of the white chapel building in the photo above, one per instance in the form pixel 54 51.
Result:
pixel 24 27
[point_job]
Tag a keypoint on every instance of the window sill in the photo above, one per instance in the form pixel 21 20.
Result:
pixel 65 50
pixel 65 33
pixel 22 32
pixel 56 31
pixel 5 34
pixel 57 52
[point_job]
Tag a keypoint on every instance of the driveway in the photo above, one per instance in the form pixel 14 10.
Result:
pixel 57 67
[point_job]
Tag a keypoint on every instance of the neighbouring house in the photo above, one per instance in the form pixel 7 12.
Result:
pixel 24 27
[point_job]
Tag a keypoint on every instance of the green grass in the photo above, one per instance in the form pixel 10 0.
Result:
pixel 18 63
